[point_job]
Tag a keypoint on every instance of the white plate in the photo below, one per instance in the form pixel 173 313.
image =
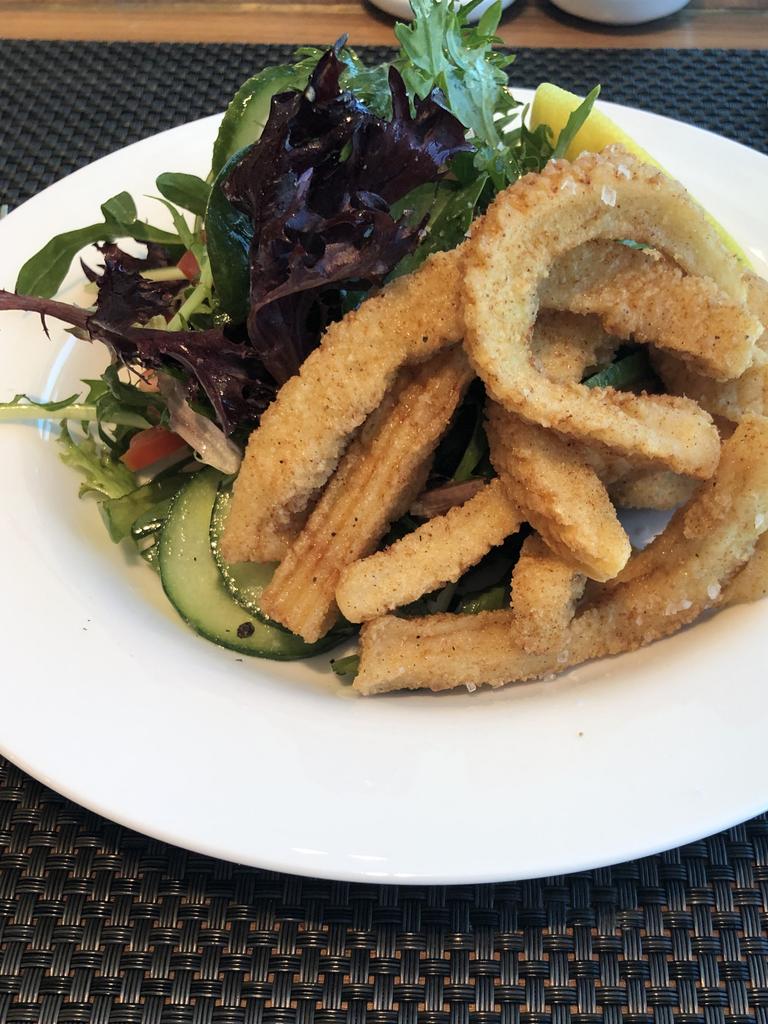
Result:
pixel 107 697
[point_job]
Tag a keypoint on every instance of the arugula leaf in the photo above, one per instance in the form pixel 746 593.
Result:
pixel 624 373
pixel 44 272
pixel 185 190
pixel 120 208
pixel 189 239
pixel 22 402
pixel 449 207
pixel 22 407
pixel 574 123
pixel 489 600
pixel 104 475
pixel 440 50
pixel 108 400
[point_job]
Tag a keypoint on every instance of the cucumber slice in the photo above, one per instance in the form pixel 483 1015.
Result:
pixel 195 588
pixel 245 581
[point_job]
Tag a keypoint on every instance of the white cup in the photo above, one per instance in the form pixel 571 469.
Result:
pixel 621 12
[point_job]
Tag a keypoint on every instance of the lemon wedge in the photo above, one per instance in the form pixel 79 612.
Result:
pixel 553 106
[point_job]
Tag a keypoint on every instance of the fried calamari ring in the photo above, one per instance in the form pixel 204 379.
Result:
pixel 565 346
pixel 734 399
pixel 532 224
pixel 634 485
pixel 731 400
pixel 640 294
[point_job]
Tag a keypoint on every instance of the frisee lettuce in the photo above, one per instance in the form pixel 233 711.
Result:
pixel 105 476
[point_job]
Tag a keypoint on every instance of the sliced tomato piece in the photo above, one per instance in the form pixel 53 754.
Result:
pixel 149 446
pixel 189 266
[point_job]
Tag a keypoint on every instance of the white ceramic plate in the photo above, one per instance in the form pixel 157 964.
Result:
pixel 107 697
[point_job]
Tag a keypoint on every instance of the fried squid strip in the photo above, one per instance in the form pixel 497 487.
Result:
pixel 545 591
pixel 438 552
pixel 711 540
pixel 559 492
pixel 642 295
pixel 379 476
pixel 303 433
pixel 525 230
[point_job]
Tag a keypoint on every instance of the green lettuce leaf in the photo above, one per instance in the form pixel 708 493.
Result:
pixel 104 476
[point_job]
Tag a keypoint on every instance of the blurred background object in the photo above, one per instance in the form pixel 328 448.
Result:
pixel 402 9
pixel 621 12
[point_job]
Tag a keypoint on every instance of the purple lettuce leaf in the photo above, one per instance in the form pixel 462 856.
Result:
pixel 214 366
pixel 124 296
pixel 317 187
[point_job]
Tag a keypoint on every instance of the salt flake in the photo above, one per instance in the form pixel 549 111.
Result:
pixel 608 195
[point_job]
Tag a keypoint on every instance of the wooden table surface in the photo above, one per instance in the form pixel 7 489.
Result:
pixel 704 23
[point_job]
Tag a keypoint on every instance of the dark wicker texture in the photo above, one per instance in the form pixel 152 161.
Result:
pixel 64 104
pixel 98 924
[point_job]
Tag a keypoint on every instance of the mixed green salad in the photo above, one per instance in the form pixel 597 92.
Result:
pixel 328 178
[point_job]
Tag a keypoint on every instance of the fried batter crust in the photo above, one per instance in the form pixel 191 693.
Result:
pixel 545 590
pixel 438 552
pixel 532 224
pixel 559 492
pixel 377 479
pixel 681 574
pixel 303 434
pixel 735 398
pixel 644 296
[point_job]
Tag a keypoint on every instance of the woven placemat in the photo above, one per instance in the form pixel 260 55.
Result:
pixel 99 924
pixel 64 104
